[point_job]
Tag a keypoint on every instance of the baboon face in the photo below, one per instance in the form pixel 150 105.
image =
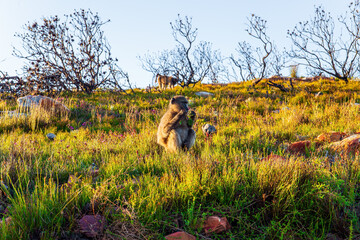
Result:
pixel 179 103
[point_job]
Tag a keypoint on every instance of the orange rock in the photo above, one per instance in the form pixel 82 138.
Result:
pixel 180 236
pixel 349 145
pixel 299 147
pixel 216 224
pixel 331 137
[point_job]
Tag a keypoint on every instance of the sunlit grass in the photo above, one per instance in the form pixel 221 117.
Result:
pixel 107 146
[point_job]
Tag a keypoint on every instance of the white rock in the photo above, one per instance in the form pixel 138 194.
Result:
pixel 204 94
pixel 51 136
pixel 48 104
pixel 208 129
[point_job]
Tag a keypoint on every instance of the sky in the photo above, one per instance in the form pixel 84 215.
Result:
pixel 139 27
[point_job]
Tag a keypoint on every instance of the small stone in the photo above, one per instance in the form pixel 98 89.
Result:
pixel 208 129
pixel 215 224
pixel 204 94
pixel 51 136
pixel 180 236
pixel 92 225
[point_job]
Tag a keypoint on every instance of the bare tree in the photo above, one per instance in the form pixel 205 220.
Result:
pixel 75 51
pixel 258 63
pixel 188 62
pixel 318 47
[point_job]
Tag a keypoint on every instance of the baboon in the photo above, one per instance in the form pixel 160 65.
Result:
pixel 175 129
pixel 166 81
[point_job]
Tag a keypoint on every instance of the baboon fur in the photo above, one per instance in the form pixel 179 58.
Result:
pixel 175 131
pixel 166 81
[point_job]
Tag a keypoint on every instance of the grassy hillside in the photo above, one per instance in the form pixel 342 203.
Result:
pixel 105 160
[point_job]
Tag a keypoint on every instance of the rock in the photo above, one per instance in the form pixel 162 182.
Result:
pixel 299 147
pixel 208 129
pixel 12 114
pixel 204 94
pixel 349 145
pixel 318 94
pixel 92 225
pixel 180 236
pixel 215 224
pixel 331 137
pixel 51 136
pixel 30 102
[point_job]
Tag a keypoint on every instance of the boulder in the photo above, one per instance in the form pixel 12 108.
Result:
pixel 92 225
pixel 215 224
pixel 30 102
pixel 299 147
pixel 180 236
pixel 204 94
pixel 349 145
pixel 331 137
pixel 208 129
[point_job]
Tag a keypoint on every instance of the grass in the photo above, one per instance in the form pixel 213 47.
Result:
pixel 107 147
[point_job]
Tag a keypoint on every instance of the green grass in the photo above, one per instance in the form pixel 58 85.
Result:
pixel 140 188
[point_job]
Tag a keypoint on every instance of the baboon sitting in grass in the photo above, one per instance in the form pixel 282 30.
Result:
pixel 175 130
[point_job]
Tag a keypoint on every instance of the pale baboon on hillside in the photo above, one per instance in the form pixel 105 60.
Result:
pixel 175 130
pixel 166 81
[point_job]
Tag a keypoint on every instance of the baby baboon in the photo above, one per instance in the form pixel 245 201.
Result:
pixel 175 130
pixel 166 81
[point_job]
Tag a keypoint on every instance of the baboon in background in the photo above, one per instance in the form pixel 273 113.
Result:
pixel 175 130
pixel 166 81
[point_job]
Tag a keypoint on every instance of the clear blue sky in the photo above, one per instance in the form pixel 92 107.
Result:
pixel 138 27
